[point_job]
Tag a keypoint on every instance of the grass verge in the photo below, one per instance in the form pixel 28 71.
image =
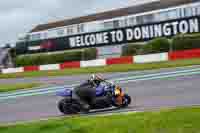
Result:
pixel 111 68
pixel 14 87
pixel 184 120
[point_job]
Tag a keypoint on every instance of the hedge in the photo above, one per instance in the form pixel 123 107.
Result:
pixel 157 45
pixel 42 59
pixel 182 42
pixel 131 49
pixel 154 46
pixel 89 54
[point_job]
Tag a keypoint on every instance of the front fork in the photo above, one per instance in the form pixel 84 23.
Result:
pixel 118 100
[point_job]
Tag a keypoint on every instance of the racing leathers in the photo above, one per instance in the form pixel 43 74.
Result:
pixel 86 92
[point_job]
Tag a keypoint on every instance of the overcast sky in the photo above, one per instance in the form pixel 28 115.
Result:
pixel 20 16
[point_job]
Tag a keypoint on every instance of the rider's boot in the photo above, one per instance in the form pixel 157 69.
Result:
pixel 85 107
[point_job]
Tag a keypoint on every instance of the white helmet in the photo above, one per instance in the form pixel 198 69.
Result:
pixel 111 82
pixel 93 77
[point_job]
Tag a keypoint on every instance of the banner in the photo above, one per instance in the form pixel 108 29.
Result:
pixel 136 33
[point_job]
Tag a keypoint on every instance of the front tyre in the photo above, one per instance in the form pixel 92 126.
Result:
pixel 126 100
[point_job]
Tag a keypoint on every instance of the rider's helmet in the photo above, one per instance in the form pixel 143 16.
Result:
pixel 96 78
pixel 112 83
pixel 92 77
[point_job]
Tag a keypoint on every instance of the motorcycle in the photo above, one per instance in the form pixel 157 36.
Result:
pixel 107 95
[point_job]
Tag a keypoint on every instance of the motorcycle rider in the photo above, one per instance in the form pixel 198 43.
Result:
pixel 86 92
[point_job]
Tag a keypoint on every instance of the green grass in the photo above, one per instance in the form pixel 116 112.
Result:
pixel 14 87
pixel 111 68
pixel 184 120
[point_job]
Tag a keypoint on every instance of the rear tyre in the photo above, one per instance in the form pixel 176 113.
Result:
pixel 61 105
pixel 69 106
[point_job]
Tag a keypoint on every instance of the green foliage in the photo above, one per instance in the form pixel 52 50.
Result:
pixel 156 46
pixel 42 59
pixel 179 42
pixel 18 86
pixel 182 120
pixel 182 42
pixel 90 53
pixel 131 49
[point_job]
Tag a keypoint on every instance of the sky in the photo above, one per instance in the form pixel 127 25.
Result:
pixel 20 16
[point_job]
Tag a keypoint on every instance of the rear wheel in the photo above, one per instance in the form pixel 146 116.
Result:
pixel 69 106
pixel 60 105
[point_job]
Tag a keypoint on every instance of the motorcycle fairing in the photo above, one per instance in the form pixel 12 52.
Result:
pixel 64 93
pixel 100 90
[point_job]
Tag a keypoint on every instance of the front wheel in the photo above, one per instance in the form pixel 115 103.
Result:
pixel 126 100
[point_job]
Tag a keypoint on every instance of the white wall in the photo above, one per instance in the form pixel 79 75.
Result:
pixel 12 70
pixel 50 67
pixel 93 63
pixel 151 58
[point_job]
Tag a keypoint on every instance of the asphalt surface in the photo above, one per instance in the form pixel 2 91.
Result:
pixel 74 79
pixel 170 92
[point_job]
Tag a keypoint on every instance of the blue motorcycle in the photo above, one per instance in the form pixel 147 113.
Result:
pixel 107 95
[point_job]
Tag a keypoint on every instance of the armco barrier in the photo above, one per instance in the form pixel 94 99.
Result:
pixel 120 60
pixel 93 63
pixel 75 64
pixel 151 58
pixel 195 53
pixel 186 54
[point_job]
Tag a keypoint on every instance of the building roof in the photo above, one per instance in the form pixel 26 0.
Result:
pixel 112 14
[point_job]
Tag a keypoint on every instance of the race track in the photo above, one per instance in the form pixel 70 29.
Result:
pixel 149 94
